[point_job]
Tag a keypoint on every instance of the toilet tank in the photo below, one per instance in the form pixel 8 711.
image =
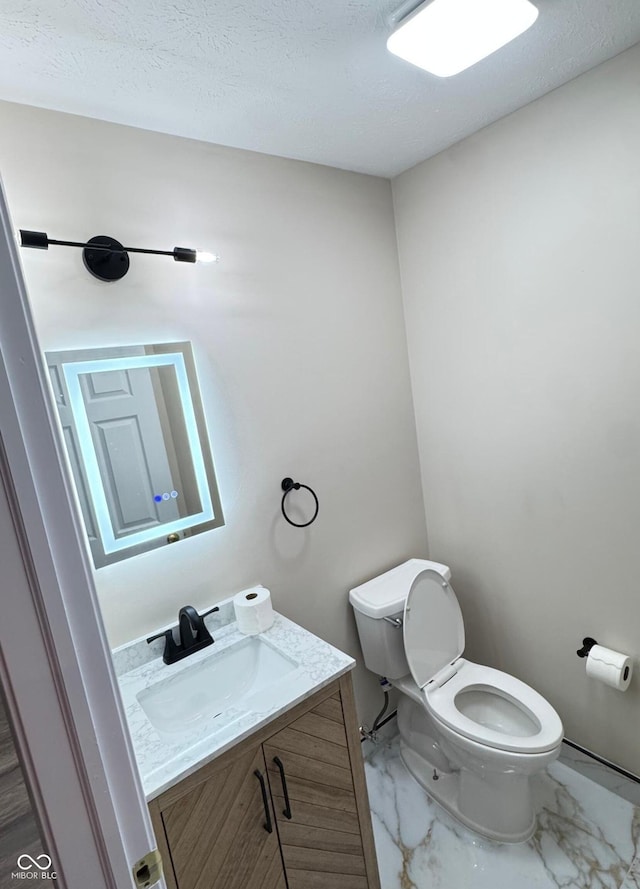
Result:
pixel 383 597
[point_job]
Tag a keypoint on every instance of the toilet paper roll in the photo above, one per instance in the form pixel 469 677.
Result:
pixel 609 666
pixel 253 610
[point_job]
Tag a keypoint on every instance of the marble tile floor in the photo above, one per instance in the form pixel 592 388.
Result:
pixel 587 836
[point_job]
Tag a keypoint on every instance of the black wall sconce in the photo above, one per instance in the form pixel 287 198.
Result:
pixel 106 258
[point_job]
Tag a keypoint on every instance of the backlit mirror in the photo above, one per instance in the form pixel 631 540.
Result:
pixel 138 446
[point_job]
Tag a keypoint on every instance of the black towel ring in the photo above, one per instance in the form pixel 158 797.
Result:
pixel 288 485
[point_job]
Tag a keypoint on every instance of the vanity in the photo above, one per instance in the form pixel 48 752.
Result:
pixel 250 758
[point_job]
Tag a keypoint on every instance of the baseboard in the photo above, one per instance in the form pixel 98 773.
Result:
pixel 601 759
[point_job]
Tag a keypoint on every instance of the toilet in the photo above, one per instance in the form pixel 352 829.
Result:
pixel 472 736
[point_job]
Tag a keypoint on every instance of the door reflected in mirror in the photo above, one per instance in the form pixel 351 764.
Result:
pixel 138 446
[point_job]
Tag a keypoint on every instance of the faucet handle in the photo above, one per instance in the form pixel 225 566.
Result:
pixel 164 633
pixel 210 611
pixel 170 647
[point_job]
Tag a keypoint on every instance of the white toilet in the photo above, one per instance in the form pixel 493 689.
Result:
pixel 471 735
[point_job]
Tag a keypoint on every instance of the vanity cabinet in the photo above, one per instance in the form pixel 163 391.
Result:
pixel 287 808
pixel 216 832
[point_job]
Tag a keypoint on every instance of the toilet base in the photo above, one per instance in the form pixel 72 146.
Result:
pixel 461 793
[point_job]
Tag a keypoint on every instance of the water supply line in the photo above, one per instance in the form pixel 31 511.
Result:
pixel 372 734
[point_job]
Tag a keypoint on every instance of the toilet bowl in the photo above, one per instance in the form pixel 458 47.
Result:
pixel 471 735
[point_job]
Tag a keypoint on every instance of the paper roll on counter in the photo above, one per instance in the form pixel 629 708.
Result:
pixel 253 610
pixel 609 666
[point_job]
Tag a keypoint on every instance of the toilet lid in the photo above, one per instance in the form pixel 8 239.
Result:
pixel 433 626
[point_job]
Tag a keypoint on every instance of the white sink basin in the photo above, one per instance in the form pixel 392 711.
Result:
pixel 245 677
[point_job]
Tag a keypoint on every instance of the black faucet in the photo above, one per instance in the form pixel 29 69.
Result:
pixel 192 635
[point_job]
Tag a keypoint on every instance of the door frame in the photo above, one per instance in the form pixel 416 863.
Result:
pixel 55 664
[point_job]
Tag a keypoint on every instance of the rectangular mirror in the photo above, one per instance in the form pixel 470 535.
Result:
pixel 138 446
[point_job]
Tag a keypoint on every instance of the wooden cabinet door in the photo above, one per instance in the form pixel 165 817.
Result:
pixel 217 831
pixel 321 840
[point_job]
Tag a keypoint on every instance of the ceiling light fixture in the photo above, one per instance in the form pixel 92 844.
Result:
pixel 106 258
pixel 447 36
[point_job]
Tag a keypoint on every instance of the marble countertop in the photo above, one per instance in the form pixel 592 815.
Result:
pixel 165 758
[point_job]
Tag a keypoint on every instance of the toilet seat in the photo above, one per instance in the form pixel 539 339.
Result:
pixel 514 716
pixel 480 703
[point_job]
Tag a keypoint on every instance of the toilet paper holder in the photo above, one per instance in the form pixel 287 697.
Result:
pixel 587 644
pixel 612 667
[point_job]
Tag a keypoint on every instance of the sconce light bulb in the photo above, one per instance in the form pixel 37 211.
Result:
pixel 204 256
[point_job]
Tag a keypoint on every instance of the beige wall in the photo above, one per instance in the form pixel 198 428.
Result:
pixel 520 266
pixel 299 339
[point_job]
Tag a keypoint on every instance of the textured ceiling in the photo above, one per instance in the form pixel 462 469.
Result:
pixel 308 79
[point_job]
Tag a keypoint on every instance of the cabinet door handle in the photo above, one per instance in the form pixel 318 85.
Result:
pixel 267 814
pixel 287 805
